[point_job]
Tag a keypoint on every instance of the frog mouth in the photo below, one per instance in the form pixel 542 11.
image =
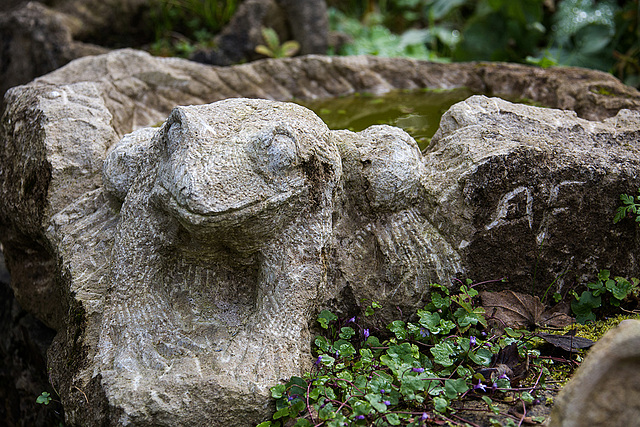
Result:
pixel 231 216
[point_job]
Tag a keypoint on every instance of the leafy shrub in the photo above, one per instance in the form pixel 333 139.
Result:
pixel 582 34
pixel 375 39
pixel 502 30
pixel 604 35
pixel 180 25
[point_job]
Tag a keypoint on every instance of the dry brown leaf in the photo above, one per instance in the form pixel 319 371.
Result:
pixel 567 342
pixel 512 309
pixel 556 319
pixel 515 310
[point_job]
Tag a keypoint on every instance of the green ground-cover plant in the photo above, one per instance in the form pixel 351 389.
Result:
pixel 423 371
pixel 605 294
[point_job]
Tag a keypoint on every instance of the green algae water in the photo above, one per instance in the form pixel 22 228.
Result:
pixel 418 112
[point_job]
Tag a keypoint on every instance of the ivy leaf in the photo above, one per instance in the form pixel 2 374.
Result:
pixel 441 404
pixel 414 384
pixel 346 350
pixel 398 328
pixel 620 288
pixel 583 306
pixel 439 301
pixel 371 309
pixel 526 396
pixel 393 419
pixel 327 360
pixel 465 318
pixel 454 387
pixel 360 407
pixel 276 391
pixel 284 412
pixel 322 343
pixel 490 404
pixel 346 332
pixel 375 399
pixel 442 353
pixel 603 275
pixel 482 356
pixel 327 412
pixel 298 386
pixel 345 375
pixel 325 317
pixel 45 398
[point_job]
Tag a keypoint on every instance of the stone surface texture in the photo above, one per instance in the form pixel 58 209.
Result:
pixel 181 252
pixel 605 390
pixel 529 193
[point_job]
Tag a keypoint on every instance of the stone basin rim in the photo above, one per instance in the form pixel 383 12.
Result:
pixel 316 77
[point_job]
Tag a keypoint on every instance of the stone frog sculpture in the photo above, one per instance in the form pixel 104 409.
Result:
pixel 236 224
pixel 221 246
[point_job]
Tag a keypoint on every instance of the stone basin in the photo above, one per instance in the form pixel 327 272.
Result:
pixel 502 190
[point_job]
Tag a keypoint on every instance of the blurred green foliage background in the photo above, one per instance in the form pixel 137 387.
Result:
pixel 603 35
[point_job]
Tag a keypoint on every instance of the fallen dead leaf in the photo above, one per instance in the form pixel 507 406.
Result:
pixel 519 311
pixel 567 342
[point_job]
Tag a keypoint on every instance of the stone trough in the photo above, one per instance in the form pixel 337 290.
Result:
pixel 181 247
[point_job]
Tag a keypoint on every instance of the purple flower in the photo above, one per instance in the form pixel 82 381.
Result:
pixel 424 332
pixel 425 416
pixel 353 319
pixel 360 417
pixel 386 402
pixel 504 377
pixel 419 370
pixel 472 341
pixel 365 333
pixel 483 333
pixel 382 391
pixel 318 360
pixel 480 386
pixel 494 387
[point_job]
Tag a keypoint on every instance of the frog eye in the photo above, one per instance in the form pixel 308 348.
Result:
pixel 276 149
